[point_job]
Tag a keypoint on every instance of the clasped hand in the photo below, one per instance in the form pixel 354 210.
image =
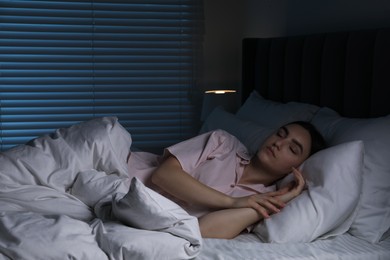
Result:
pixel 269 203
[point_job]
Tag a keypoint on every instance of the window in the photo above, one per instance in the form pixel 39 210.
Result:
pixel 62 62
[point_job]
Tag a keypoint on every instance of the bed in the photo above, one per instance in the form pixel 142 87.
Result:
pixel 67 195
pixel 339 82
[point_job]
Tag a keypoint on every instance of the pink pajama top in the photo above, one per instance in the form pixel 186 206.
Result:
pixel 217 159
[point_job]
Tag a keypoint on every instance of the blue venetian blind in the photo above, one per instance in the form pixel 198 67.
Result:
pixel 62 62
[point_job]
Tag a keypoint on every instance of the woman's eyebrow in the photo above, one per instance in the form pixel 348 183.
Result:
pixel 285 130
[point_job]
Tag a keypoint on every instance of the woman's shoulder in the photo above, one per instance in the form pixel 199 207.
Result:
pixel 223 134
pixel 229 139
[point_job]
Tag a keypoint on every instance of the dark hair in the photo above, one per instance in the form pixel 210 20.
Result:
pixel 317 140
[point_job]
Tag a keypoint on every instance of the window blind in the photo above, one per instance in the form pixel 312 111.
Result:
pixel 62 62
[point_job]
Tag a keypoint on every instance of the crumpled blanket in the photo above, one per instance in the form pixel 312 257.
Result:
pixel 68 196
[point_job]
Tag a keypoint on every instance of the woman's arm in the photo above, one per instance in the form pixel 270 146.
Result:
pixel 173 179
pixel 228 223
pixel 170 177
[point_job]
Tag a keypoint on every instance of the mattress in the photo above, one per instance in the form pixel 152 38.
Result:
pixel 248 246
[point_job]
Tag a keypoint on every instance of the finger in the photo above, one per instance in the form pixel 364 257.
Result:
pixel 298 176
pixel 262 211
pixel 266 197
pixel 271 204
pixel 300 181
pixel 289 185
pixel 277 202
pixel 281 191
pixel 296 171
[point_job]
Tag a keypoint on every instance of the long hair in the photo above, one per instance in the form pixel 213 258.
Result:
pixel 317 140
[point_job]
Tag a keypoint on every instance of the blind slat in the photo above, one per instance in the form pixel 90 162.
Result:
pixel 62 62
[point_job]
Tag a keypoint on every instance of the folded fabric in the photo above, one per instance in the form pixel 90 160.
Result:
pixel 145 209
pixel 55 160
pixel 30 235
pixel 122 242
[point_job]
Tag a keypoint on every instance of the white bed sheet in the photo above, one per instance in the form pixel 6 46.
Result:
pixel 248 246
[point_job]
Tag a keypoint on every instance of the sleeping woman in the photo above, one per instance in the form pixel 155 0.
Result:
pixel 214 177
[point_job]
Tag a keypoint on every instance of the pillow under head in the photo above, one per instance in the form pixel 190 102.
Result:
pixel 327 207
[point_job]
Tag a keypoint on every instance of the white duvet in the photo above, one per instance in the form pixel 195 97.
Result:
pixel 68 196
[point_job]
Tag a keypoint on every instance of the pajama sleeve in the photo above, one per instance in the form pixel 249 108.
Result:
pixel 193 152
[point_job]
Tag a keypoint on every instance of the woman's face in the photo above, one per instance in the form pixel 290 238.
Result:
pixel 286 148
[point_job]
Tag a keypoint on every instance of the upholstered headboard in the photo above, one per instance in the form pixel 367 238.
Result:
pixel 346 71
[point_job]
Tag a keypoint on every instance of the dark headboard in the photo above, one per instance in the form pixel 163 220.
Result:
pixel 346 71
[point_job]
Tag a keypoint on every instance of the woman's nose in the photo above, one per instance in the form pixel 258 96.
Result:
pixel 277 144
pixel 280 142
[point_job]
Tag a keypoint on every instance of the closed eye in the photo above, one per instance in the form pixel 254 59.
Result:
pixel 296 147
pixel 294 150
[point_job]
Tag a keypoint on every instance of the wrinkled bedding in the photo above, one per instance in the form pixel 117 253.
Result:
pixel 341 247
pixel 68 196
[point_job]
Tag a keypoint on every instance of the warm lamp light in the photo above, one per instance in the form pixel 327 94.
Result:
pixel 220 91
pixel 225 98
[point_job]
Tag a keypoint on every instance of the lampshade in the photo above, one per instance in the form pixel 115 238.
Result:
pixel 227 99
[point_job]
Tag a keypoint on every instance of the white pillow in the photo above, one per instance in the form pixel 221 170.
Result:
pixel 274 114
pixel 372 219
pixel 144 208
pixel 326 208
pixel 249 133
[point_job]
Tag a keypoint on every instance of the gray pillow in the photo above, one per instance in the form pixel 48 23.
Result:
pixel 274 114
pixel 249 133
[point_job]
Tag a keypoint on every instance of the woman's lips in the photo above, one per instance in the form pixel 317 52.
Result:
pixel 269 148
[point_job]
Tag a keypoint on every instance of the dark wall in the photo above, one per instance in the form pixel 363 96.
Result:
pixel 228 21
pixel 306 16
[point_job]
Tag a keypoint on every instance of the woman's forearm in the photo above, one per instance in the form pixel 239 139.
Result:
pixel 227 223
pixel 172 179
